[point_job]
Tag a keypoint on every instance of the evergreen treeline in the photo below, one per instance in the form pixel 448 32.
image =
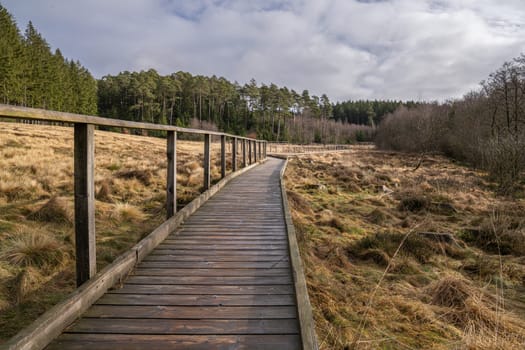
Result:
pixel 32 75
pixel 365 112
pixel 180 97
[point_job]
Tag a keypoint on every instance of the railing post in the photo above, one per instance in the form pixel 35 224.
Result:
pixel 255 151
pixel 234 154
pixel 250 151
pixel 207 161
pixel 223 156
pixel 84 168
pixel 244 153
pixel 265 145
pixel 260 150
pixel 171 184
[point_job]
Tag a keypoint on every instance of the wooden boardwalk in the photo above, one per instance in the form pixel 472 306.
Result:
pixel 223 280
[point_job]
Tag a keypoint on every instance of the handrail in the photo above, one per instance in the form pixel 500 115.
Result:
pixel 287 148
pixel 84 170
pixel 18 112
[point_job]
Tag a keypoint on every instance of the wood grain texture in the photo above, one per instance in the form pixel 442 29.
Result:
pixel 176 342
pixel 207 162
pixel 225 272
pixel 171 181
pixel 17 112
pixel 84 167
pixel 48 326
pixel 223 156
pixel 306 321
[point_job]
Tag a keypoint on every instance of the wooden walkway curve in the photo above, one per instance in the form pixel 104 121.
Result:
pixel 223 280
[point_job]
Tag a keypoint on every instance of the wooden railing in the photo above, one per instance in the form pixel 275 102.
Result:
pixel 253 150
pixel 288 148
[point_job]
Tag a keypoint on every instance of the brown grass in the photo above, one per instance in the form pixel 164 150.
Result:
pixel 34 249
pixel 379 279
pixel 36 207
pixel 56 209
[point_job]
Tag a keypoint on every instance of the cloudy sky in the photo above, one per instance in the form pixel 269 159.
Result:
pixel 348 49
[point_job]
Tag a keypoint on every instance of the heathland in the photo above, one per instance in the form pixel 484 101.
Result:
pixel 403 251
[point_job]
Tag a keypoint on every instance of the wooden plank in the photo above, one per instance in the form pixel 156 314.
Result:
pixel 218 240
pixel 167 326
pixel 234 154
pixel 52 322
pixel 231 236
pixel 281 264
pixel 175 257
pixel 243 153
pixel 207 162
pixel 221 246
pixel 250 152
pixel 42 114
pixel 307 325
pixel 224 252
pixel 204 289
pixel 210 280
pixel 245 228
pixel 171 183
pixel 198 300
pixel 191 312
pixel 223 156
pixel 212 272
pixel 84 168
pixel 175 342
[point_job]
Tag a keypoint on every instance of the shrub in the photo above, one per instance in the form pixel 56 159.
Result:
pixel 504 159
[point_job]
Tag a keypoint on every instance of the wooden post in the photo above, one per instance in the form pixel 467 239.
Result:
pixel 255 151
pixel 84 165
pixel 171 184
pixel 223 156
pixel 250 151
pixel 244 153
pixel 265 145
pixel 207 162
pixel 234 154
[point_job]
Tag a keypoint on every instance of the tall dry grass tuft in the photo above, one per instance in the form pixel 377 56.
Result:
pixel 32 249
pixel 478 313
pixel 125 212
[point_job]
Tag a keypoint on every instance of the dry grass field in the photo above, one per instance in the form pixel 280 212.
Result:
pixel 404 252
pixel 36 207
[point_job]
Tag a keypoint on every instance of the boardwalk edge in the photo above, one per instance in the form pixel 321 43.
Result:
pixel 52 323
pixel 304 308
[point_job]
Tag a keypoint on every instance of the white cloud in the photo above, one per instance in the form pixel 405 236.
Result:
pixel 405 49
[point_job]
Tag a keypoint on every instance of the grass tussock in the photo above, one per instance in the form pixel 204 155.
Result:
pixel 125 212
pixel 56 209
pixel 472 309
pixel 394 257
pixel 144 175
pixel 32 249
